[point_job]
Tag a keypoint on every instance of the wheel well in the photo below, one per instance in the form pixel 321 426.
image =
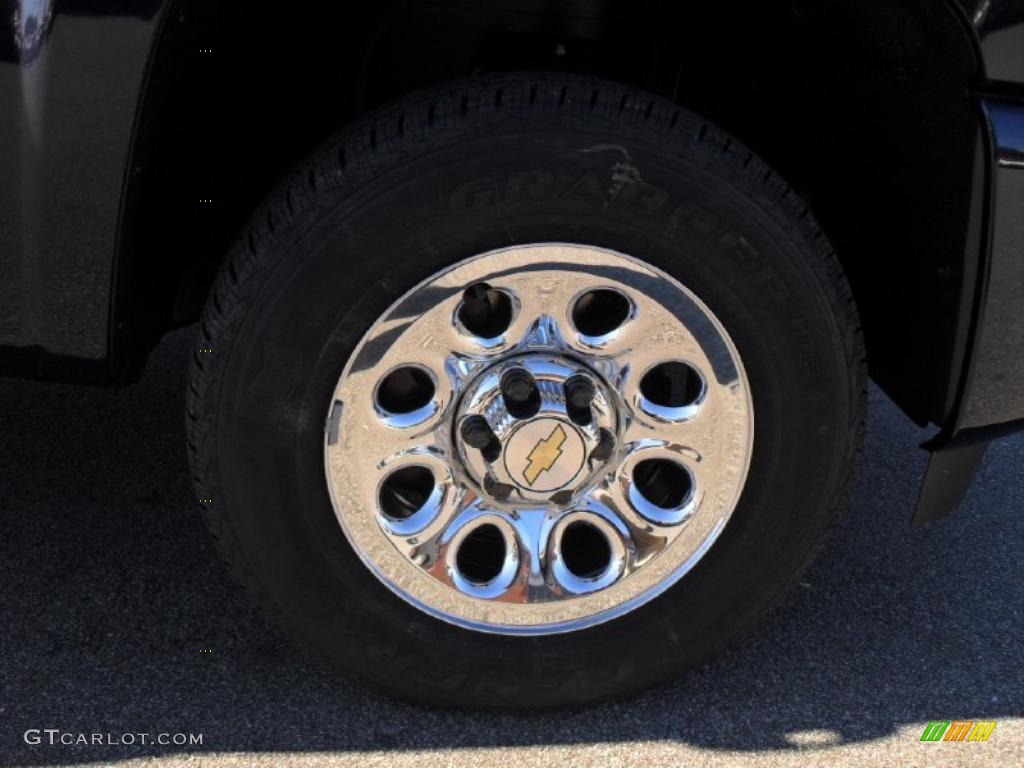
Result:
pixel 863 105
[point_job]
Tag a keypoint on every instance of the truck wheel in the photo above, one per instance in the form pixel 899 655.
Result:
pixel 528 390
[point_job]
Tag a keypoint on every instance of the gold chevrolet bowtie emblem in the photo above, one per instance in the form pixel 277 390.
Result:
pixel 544 454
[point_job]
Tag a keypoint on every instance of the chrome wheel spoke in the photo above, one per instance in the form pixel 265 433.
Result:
pixel 612 497
pixel 694 441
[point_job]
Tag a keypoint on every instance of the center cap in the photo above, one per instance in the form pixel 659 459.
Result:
pixel 544 454
pixel 534 429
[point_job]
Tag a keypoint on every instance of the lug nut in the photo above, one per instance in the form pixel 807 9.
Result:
pixel 522 397
pixel 476 303
pixel 603 450
pixel 579 391
pixel 517 386
pixel 477 432
pixel 485 311
pixel 476 293
pixel 561 498
pixel 498 490
pixel 579 394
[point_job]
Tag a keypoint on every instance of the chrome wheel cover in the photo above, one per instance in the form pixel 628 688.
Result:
pixel 552 466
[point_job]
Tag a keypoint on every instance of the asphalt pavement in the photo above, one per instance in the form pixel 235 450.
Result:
pixel 117 616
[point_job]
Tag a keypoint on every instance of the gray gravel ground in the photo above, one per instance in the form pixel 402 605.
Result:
pixel 111 593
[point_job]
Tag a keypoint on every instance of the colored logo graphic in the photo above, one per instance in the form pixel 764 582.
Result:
pixel 958 730
pixel 544 454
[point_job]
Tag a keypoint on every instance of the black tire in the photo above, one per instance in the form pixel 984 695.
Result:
pixel 459 170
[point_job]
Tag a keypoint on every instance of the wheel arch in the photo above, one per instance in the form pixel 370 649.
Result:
pixel 865 108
